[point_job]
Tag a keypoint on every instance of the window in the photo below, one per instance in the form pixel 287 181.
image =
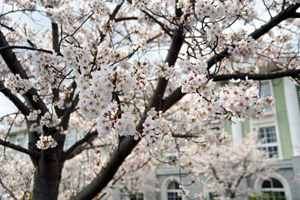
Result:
pixel 273 190
pixel 139 196
pixel 267 136
pixel 70 139
pixel 171 159
pixel 212 196
pixel 173 189
pixel 265 90
pixel 20 141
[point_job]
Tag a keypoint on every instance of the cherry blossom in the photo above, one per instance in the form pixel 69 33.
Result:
pixel 136 79
pixel 46 142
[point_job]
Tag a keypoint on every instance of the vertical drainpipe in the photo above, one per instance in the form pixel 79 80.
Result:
pixel 237 131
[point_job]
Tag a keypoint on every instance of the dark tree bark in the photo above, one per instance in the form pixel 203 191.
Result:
pixel 48 168
pixel 47 177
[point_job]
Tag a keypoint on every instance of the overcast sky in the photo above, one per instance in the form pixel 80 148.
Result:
pixel 6 106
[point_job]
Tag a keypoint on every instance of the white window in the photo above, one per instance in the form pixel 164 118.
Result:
pixel 212 196
pixel 269 143
pixel 172 191
pixel 139 196
pixel 20 140
pixel 70 139
pixel 171 159
pixel 266 90
pixel 273 189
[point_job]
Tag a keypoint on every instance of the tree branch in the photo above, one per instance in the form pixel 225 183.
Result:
pixel 18 148
pixel 289 73
pixel 55 37
pixel 10 58
pixel 13 30
pixel 15 67
pixel 177 94
pixel 14 99
pixel 162 26
pixel 296 15
pixel 283 15
pixel 25 47
pixel 125 19
pixel 71 152
pixel 111 18
pixel 172 99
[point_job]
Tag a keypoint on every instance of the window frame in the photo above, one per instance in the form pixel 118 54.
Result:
pixel 138 196
pixel 21 136
pixel 176 190
pixel 71 139
pixel 165 184
pixel 270 144
pixel 272 110
pixel 287 190
pixel 268 122
pixel 170 157
pixel 124 196
pixel 272 189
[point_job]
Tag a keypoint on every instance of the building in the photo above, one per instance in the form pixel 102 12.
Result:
pixel 280 129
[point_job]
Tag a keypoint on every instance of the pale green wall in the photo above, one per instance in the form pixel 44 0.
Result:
pixel 246 128
pixel 12 138
pixel 298 92
pixel 282 119
pixel 228 129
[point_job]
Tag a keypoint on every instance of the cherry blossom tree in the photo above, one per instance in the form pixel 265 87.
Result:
pixel 136 76
pixel 228 165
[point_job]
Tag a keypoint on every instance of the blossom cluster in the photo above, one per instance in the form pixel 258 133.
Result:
pixel 140 4
pixel 17 85
pixel 47 70
pixel 24 4
pixel 206 8
pixel 50 120
pixel 17 175
pixel 62 14
pixel 243 48
pixel 98 6
pixel 35 127
pixel 46 142
pixel 162 69
pixel 199 66
pixel 244 100
pixel 241 100
pixel 120 121
pixel 33 115
pixel 50 3
pixel 149 128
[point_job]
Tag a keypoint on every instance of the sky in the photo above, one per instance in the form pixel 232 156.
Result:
pixel 6 106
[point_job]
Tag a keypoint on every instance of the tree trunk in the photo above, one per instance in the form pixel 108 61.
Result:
pixel 47 176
